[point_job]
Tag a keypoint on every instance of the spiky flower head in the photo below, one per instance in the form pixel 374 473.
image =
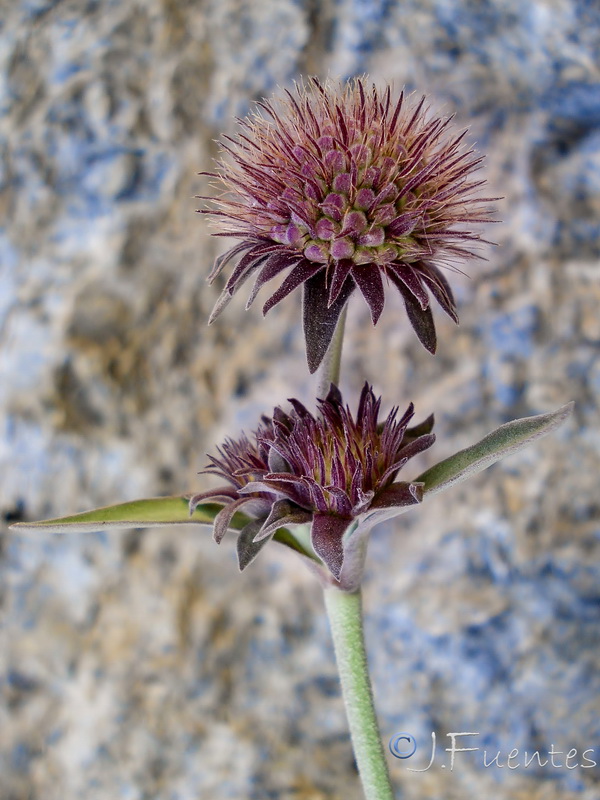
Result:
pixel 335 471
pixel 339 187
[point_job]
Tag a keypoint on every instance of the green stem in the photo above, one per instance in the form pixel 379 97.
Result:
pixel 344 610
pixel 329 371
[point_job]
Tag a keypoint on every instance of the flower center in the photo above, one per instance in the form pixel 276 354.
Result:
pixel 351 205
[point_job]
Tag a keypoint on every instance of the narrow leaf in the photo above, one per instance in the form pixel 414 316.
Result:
pixel 504 441
pixel 150 513
pixel 155 512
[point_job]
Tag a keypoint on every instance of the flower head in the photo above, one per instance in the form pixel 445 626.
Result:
pixel 339 188
pixel 335 471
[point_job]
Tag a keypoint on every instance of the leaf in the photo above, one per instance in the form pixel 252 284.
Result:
pixel 504 441
pixel 150 513
pixel 155 512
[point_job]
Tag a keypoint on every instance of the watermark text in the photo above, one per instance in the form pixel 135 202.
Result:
pixel 404 745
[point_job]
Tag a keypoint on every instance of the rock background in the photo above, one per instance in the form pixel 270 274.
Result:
pixel 141 665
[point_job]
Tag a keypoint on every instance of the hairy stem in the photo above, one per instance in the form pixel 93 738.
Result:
pixel 344 610
pixel 329 371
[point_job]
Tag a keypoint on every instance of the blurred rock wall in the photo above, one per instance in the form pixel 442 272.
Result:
pixel 142 665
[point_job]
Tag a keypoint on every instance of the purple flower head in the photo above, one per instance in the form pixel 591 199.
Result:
pixel 335 471
pixel 239 463
pixel 339 188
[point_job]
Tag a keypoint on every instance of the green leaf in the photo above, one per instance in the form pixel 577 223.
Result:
pixel 155 512
pixel 151 513
pixel 504 441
